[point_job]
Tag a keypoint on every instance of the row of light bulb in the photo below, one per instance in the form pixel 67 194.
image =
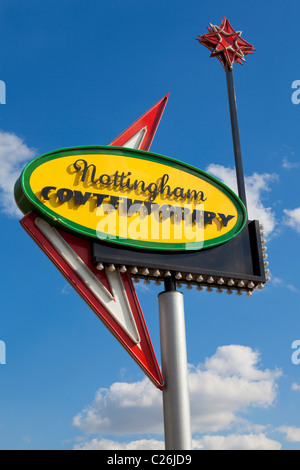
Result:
pixel 248 286
pixel 265 256
pixel 180 277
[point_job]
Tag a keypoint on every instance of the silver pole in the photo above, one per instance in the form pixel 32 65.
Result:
pixel 176 400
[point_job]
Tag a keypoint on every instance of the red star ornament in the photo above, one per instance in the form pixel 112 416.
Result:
pixel 226 44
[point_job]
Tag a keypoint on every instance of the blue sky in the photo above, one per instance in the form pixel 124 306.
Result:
pixel 79 73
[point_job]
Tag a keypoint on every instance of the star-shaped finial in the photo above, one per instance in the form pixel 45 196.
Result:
pixel 226 44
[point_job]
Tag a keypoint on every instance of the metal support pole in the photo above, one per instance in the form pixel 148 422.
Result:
pixel 236 136
pixel 176 399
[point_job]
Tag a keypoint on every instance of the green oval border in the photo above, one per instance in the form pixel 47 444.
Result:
pixel 27 201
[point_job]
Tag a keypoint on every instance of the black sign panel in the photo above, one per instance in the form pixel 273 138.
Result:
pixel 239 264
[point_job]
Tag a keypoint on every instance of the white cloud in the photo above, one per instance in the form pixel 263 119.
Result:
pixel 105 444
pixel 293 218
pixel 292 434
pixel 288 165
pixel 14 153
pixel 292 288
pixel 256 186
pixel 295 387
pixel 231 442
pixel 227 384
pixel 237 442
pixel 123 409
pixel 229 381
pixel 278 282
pixel 142 287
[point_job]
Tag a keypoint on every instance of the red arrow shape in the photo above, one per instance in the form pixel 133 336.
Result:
pixel 110 295
pixel 141 133
pixel 100 290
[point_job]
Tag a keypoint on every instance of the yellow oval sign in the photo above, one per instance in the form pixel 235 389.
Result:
pixel 131 197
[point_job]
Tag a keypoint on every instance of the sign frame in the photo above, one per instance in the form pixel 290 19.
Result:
pixel 28 201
